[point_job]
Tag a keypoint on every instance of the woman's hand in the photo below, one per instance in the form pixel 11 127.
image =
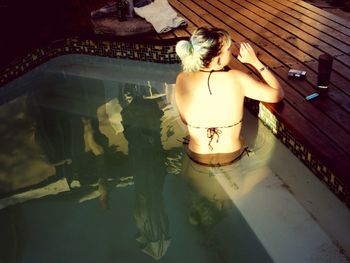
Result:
pixel 247 54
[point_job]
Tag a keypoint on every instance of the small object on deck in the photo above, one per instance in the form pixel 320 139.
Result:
pixel 312 96
pixel 122 10
pixel 325 62
pixel 161 15
pixel 107 10
pixel 295 73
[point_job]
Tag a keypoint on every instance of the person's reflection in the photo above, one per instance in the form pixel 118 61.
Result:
pixel 95 151
pixel 89 140
pixel 209 202
pixel 69 129
pixel 141 121
pixel 52 126
pixel 216 191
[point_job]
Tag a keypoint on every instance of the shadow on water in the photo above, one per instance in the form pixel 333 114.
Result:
pixel 141 121
pixel 113 175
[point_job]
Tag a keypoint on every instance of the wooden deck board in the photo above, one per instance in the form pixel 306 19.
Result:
pixel 312 19
pixel 322 15
pixel 335 47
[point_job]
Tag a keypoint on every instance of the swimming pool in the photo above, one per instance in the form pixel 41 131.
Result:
pixel 93 170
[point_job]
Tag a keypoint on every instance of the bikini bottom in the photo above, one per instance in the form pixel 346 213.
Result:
pixel 216 159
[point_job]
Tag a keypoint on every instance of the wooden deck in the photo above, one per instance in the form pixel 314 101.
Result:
pixel 286 33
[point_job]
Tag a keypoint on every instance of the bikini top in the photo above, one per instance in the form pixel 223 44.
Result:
pixel 213 131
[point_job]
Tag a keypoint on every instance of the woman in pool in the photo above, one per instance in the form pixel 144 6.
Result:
pixel 210 99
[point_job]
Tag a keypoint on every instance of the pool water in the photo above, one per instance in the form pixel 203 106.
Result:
pixel 93 170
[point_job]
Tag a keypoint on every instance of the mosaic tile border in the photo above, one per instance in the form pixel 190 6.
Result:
pixel 285 135
pixel 163 51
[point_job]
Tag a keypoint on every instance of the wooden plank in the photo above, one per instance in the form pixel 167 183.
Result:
pixel 181 33
pixel 193 19
pixel 344 40
pixel 319 35
pixel 167 35
pixel 324 42
pixel 343 24
pixel 190 26
pixel 334 29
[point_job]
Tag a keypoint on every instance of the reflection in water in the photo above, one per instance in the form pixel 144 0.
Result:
pixel 209 202
pixel 23 161
pixel 214 214
pixel 110 124
pixel 141 121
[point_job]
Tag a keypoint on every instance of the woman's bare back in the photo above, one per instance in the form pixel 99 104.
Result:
pixel 212 110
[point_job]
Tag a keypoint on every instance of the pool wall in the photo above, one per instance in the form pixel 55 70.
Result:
pixel 163 51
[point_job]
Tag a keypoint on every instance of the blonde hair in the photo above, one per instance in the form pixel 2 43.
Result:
pixel 201 48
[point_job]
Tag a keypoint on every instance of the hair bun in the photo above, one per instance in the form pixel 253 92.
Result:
pixel 184 48
pixel 191 60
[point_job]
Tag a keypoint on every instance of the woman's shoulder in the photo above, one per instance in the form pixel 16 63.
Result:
pixel 236 76
pixel 238 73
pixel 234 72
pixel 180 77
pixel 183 78
pixel 231 76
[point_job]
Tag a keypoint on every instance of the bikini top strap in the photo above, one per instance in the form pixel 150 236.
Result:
pixel 218 127
pixel 208 81
pixel 210 72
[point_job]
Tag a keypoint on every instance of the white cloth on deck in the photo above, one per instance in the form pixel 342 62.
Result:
pixel 161 15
